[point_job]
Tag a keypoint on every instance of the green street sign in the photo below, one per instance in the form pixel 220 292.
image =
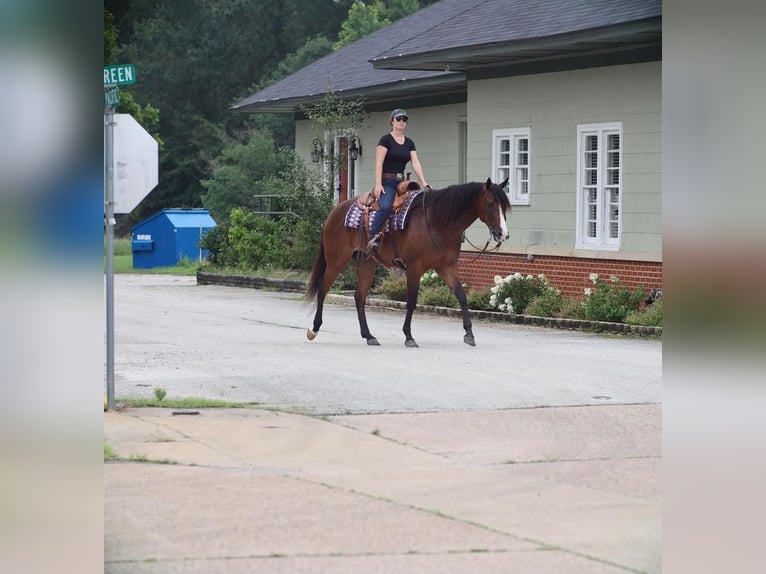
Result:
pixel 111 97
pixel 120 75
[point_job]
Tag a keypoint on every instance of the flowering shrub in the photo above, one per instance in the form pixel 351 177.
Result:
pixel 610 300
pixel 431 279
pixel 513 293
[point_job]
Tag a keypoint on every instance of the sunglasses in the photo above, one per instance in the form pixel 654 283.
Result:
pixel 401 118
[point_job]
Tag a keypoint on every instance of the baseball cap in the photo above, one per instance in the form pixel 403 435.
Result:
pixel 398 112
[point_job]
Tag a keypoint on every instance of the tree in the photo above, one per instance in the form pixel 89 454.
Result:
pixel 365 18
pixel 281 126
pixel 194 58
pixel 240 168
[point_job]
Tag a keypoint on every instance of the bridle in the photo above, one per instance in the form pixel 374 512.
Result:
pixel 483 249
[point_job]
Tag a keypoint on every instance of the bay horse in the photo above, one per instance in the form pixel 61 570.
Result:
pixel 431 239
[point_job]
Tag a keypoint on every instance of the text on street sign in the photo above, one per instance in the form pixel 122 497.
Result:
pixel 120 75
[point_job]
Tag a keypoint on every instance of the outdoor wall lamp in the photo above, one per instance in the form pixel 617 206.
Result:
pixel 354 148
pixel 318 152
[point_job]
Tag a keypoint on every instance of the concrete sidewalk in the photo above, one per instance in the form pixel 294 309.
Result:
pixel 563 489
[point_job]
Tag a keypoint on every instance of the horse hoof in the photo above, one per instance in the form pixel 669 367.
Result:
pixel 310 334
pixel 468 340
pixel 373 342
pixel 410 343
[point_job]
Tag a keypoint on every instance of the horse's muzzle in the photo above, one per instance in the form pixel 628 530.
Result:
pixel 498 234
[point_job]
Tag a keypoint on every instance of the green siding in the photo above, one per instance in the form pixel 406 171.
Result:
pixel 553 105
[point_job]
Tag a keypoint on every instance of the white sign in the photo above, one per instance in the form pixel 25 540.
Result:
pixel 136 163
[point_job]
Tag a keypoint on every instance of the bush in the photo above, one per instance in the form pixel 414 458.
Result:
pixel 431 279
pixel 650 316
pixel 394 286
pixel 256 240
pixel 513 293
pixel 438 296
pixel 547 304
pixel 479 299
pixel 349 279
pixel 610 300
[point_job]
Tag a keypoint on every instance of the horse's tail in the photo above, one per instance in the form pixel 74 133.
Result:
pixel 317 274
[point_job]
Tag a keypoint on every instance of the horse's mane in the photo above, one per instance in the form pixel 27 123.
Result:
pixel 450 203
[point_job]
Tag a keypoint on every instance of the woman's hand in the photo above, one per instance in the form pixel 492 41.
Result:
pixel 378 190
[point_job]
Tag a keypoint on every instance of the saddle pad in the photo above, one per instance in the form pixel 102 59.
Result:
pixel 354 215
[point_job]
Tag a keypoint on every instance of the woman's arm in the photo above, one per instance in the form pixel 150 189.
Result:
pixel 418 168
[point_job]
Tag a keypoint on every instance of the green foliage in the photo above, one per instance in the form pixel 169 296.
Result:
pixel 438 296
pixel 572 309
pixel 250 240
pixel 256 240
pixel 364 18
pixel 548 304
pixel 650 316
pixel 479 299
pixel 513 293
pixel 610 300
pixel 431 279
pixel 159 393
pixel 148 116
pixel 394 286
pixel 110 39
pixel 240 171
pixel 280 126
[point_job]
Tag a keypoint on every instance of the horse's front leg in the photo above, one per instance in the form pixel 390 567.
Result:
pixel 450 278
pixel 365 278
pixel 413 286
pixel 467 325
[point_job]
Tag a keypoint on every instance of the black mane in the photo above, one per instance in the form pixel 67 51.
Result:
pixel 449 204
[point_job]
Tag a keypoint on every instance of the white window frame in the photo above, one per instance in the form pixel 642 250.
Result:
pixel 598 179
pixel 509 162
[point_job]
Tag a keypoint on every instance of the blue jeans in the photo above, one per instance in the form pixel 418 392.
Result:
pixel 385 202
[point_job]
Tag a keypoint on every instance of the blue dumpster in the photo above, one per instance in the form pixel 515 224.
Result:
pixel 167 237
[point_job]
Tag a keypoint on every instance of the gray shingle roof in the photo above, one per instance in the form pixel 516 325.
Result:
pixel 348 70
pixel 493 22
pixel 410 57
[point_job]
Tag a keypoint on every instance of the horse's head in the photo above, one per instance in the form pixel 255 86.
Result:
pixel 496 204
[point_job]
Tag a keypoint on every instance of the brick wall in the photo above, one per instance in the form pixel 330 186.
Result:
pixel 569 274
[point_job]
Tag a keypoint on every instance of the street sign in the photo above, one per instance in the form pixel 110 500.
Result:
pixel 119 75
pixel 136 163
pixel 111 97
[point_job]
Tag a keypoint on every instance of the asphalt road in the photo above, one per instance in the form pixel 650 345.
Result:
pixel 250 345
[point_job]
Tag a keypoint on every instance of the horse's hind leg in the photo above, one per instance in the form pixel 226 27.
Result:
pixel 365 278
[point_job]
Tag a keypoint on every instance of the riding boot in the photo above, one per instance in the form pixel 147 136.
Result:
pixel 374 243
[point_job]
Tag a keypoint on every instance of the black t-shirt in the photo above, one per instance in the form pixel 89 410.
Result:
pixel 398 155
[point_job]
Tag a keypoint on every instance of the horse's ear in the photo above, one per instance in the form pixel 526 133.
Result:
pixel 488 185
pixel 505 182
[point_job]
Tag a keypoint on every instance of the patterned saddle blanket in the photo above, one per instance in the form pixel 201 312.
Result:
pixel 355 215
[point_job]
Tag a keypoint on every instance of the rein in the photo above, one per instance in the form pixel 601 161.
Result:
pixel 483 249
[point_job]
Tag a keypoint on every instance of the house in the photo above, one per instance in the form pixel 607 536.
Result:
pixel 562 97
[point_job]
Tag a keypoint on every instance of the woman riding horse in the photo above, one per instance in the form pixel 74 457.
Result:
pixel 431 240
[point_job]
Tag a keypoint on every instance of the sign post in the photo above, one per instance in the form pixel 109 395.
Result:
pixel 114 76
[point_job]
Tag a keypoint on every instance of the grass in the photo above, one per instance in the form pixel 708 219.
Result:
pixel 123 261
pixel 186 403
pixel 110 455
